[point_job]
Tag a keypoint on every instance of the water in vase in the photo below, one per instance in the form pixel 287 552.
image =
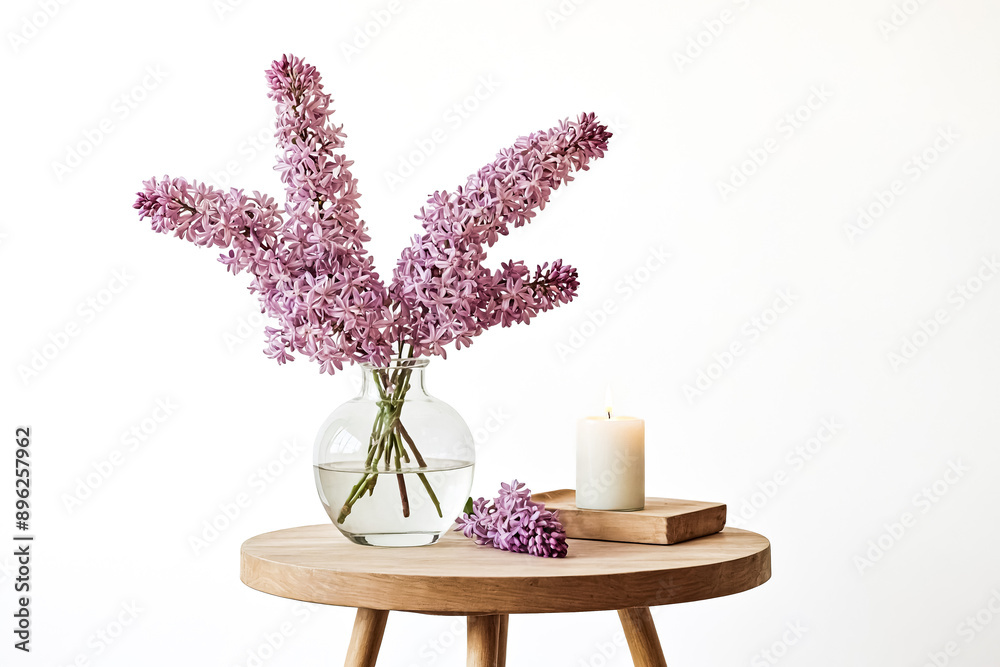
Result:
pixel 376 518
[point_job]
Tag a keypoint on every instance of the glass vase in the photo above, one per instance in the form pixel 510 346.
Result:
pixel 394 465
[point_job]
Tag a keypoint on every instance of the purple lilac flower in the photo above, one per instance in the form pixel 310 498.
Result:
pixel 311 271
pixel 308 263
pixel 513 522
pixel 445 293
pixel 325 236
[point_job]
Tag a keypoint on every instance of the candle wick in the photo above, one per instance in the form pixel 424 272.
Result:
pixel 609 414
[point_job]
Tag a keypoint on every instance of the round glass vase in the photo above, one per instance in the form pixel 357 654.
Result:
pixel 394 465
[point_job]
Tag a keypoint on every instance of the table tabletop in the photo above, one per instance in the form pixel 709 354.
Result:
pixel 457 576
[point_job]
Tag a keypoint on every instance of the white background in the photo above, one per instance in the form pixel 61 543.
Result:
pixel 184 332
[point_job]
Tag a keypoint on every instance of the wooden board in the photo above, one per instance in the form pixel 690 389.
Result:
pixel 663 521
pixel 457 576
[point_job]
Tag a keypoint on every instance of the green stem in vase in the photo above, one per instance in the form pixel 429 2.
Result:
pixel 389 441
pixel 430 492
pixel 402 494
pixel 423 464
pixel 366 483
pixel 402 451
pixel 413 447
pixel 372 443
pixel 400 480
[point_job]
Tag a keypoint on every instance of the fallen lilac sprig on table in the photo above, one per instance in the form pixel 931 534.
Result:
pixel 514 522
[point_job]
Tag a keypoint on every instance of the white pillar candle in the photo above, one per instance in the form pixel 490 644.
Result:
pixel 610 463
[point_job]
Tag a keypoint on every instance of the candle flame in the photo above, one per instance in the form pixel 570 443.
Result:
pixel 608 402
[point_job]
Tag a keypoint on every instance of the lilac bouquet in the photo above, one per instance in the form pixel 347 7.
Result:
pixel 317 283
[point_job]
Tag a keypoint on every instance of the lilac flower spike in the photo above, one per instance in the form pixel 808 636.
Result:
pixel 310 269
pixel 446 294
pixel 513 522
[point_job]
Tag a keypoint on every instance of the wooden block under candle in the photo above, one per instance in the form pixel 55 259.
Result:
pixel 662 521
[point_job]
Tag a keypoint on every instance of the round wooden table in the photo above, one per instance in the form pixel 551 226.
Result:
pixel 458 577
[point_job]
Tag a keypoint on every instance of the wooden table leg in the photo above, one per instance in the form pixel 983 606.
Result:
pixel 643 642
pixel 366 639
pixel 483 640
pixel 502 641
